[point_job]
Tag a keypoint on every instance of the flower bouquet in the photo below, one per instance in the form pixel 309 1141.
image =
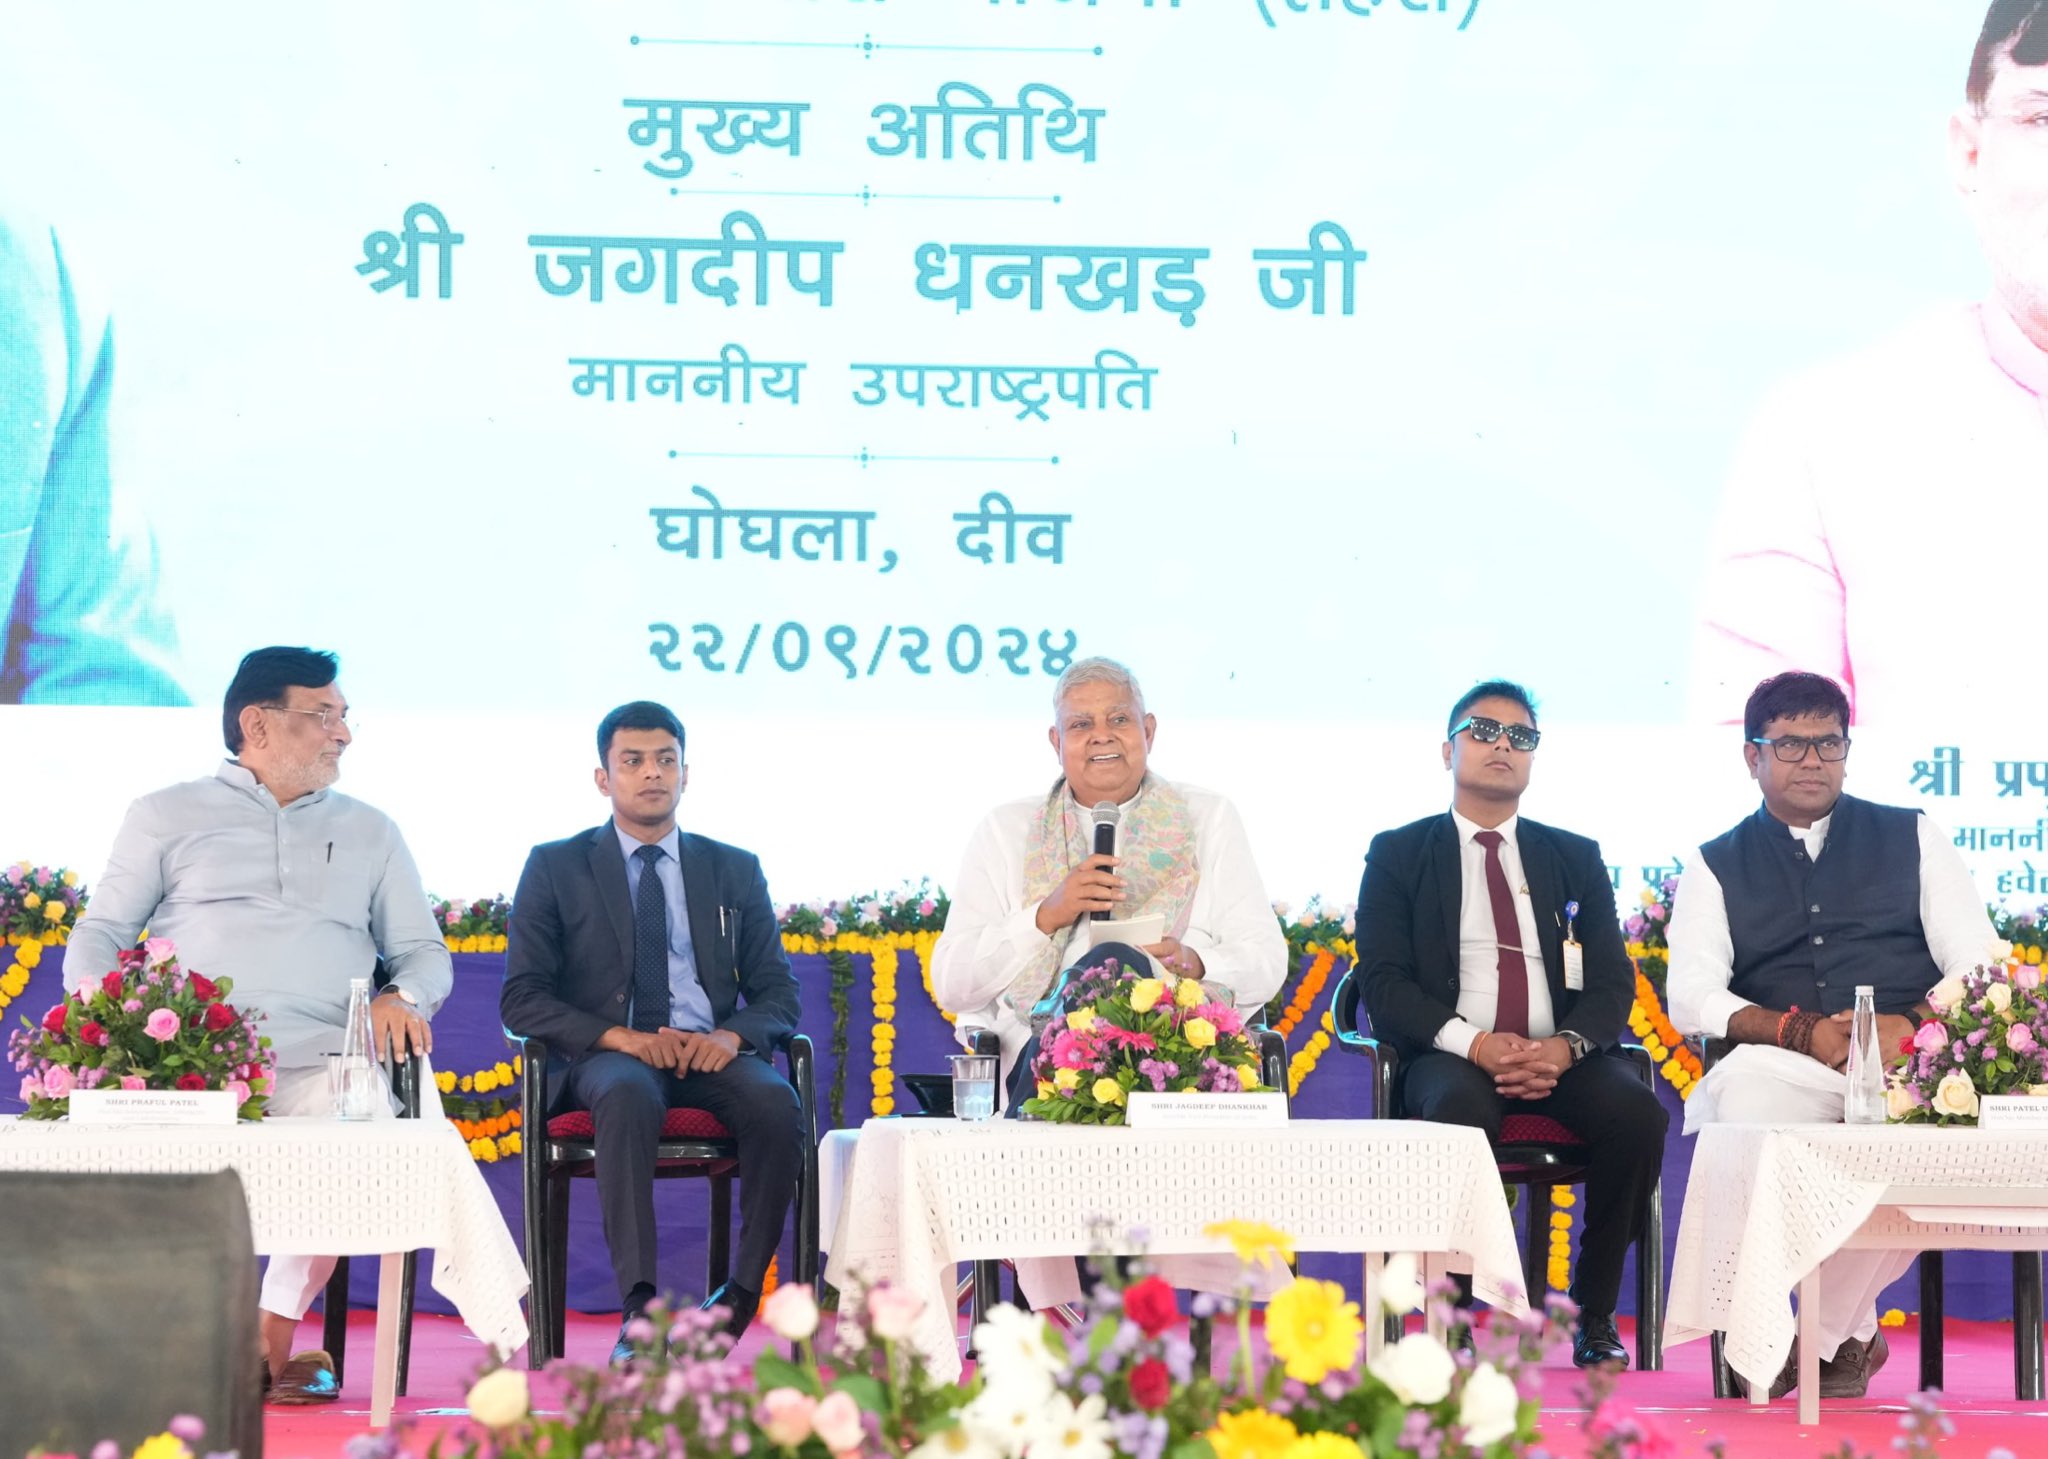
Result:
pixel 1127 1030
pixel 1986 1038
pixel 39 904
pixel 148 1024
pixel 478 926
pixel 1644 931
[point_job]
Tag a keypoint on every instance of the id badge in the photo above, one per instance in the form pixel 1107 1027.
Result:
pixel 1574 967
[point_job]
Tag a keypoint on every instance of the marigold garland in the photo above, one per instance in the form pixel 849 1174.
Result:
pixel 28 955
pixel 1679 1065
pixel 1562 1199
pixel 1305 1059
pixel 1322 961
pixel 491 1131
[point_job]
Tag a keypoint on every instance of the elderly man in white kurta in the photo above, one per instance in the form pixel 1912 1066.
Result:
pixel 1031 878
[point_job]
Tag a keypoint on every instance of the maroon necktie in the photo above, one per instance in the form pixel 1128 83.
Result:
pixel 1511 1013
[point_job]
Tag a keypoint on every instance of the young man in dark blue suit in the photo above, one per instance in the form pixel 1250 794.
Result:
pixel 651 964
pixel 1472 967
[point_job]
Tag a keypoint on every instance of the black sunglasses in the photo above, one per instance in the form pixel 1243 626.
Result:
pixel 1486 731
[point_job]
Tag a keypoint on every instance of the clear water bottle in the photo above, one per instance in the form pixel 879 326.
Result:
pixel 360 1086
pixel 1865 1105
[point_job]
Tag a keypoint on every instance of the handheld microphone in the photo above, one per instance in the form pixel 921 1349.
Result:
pixel 1105 815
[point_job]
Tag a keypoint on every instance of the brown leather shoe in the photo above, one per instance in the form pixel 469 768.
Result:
pixel 1847 1373
pixel 307 1378
pixel 1785 1382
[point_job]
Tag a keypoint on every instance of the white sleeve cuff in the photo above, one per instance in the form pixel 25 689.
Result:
pixel 1458 1037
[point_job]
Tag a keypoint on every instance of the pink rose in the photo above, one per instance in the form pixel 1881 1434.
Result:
pixel 162 1025
pixel 837 1422
pixel 2020 1039
pixel 58 1082
pixel 87 990
pixel 134 1081
pixel 892 1312
pixel 2026 975
pixel 785 1416
pixel 157 951
pixel 133 1005
pixel 31 1088
pixel 1931 1037
pixel 240 1091
pixel 927 907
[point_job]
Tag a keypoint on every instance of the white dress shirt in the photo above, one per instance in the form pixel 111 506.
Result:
pixel 290 901
pixel 992 935
pixel 1959 935
pixel 1479 948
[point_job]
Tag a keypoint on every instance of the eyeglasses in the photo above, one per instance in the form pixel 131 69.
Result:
pixel 1792 748
pixel 328 718
pixel 1485 731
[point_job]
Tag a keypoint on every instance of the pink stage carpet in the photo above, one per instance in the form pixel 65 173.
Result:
pixel 1677 1401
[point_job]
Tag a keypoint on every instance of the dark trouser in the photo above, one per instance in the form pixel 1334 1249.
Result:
pixel 627 1100
pixel 1601 1101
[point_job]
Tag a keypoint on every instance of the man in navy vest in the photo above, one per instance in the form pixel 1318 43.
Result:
pixel 1779 920
pixel 1471 968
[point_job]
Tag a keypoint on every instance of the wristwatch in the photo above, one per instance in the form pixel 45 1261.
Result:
pixel 1577 1043
pixel 411 1001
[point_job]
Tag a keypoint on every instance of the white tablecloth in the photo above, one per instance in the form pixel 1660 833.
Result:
pixel 1765 1204
pixel 923 1195
pixel 322 1187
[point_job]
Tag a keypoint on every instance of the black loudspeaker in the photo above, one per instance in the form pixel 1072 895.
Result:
pixel 125 1300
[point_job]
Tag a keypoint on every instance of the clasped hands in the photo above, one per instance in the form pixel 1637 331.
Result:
pixel 1522 1068
pixel 1094 886
pixel 677 1051
pixel 1831 1038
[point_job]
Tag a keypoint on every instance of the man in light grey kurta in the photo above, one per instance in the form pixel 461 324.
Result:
pixel 262 874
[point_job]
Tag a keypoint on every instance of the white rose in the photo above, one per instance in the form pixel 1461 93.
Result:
pixel 790 1312
pixel 1418 1369
pixel 1999 996
pixel 1955 1095
pixel 1486 1409
pixel 1900 1100
pixel 498 1398
pixel 1281 909
pixel 1401 1284
pixel 2001 952
pixel 1946 994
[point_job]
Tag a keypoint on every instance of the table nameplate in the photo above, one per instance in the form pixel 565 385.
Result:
pixel 1155 1111
pixel 152 1107
pixel 2012 1112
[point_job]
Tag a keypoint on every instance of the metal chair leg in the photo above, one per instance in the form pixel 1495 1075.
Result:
pixel 1930 1319
pixel 1535 1242
pixel 1724 1376
pixel 1650 1285
pixel 2026 1326
pixel 408 1276
pixel 718 1243
pixel 334 1320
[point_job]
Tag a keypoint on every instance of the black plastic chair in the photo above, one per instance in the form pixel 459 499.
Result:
pixel 406 1082
pixel 2026 1309
pixel 693 1146
pixel 1534 1152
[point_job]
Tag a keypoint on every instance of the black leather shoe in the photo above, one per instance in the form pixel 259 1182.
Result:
pixel 625 1350
pixel 739 1302
pixel 307 1377
pixel 1847 1373
pixel 1784 1383
pixel 1595 1342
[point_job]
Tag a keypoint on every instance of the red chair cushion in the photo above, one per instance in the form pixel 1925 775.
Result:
pixel 680 1124
pixel 1535 1130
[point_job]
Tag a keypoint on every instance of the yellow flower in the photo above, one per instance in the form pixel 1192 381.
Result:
pixel 1312 1329
pixel 1254 1434
pixel 1081 1020
pixel 1649 897
pixel 1107 1091
pixel 445 1081
pixel 1247 1076
pixel 483 1082
pixel 2034 956
pixel 53 911
pixel 1254 1241
pixel 1323 1446
pixel 509 1144
pixel 1146 993
pixel 1066 1078
pixel 1190 992
pixel 1892 1318
pixel 503 1070
pixel 162 1446
pixel 28 954
pixel 1199 1032
pixel 69 878
pixel 464 1084
pixel 32 901
pixel 1045 1088
pixel 483 1149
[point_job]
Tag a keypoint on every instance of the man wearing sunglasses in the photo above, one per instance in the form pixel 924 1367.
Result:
pixel 1776 923
pixel 1490 958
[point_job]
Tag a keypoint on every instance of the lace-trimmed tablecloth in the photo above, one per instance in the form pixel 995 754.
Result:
pixel 923 1195
pixel 320 1187
pixel 1785 1197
